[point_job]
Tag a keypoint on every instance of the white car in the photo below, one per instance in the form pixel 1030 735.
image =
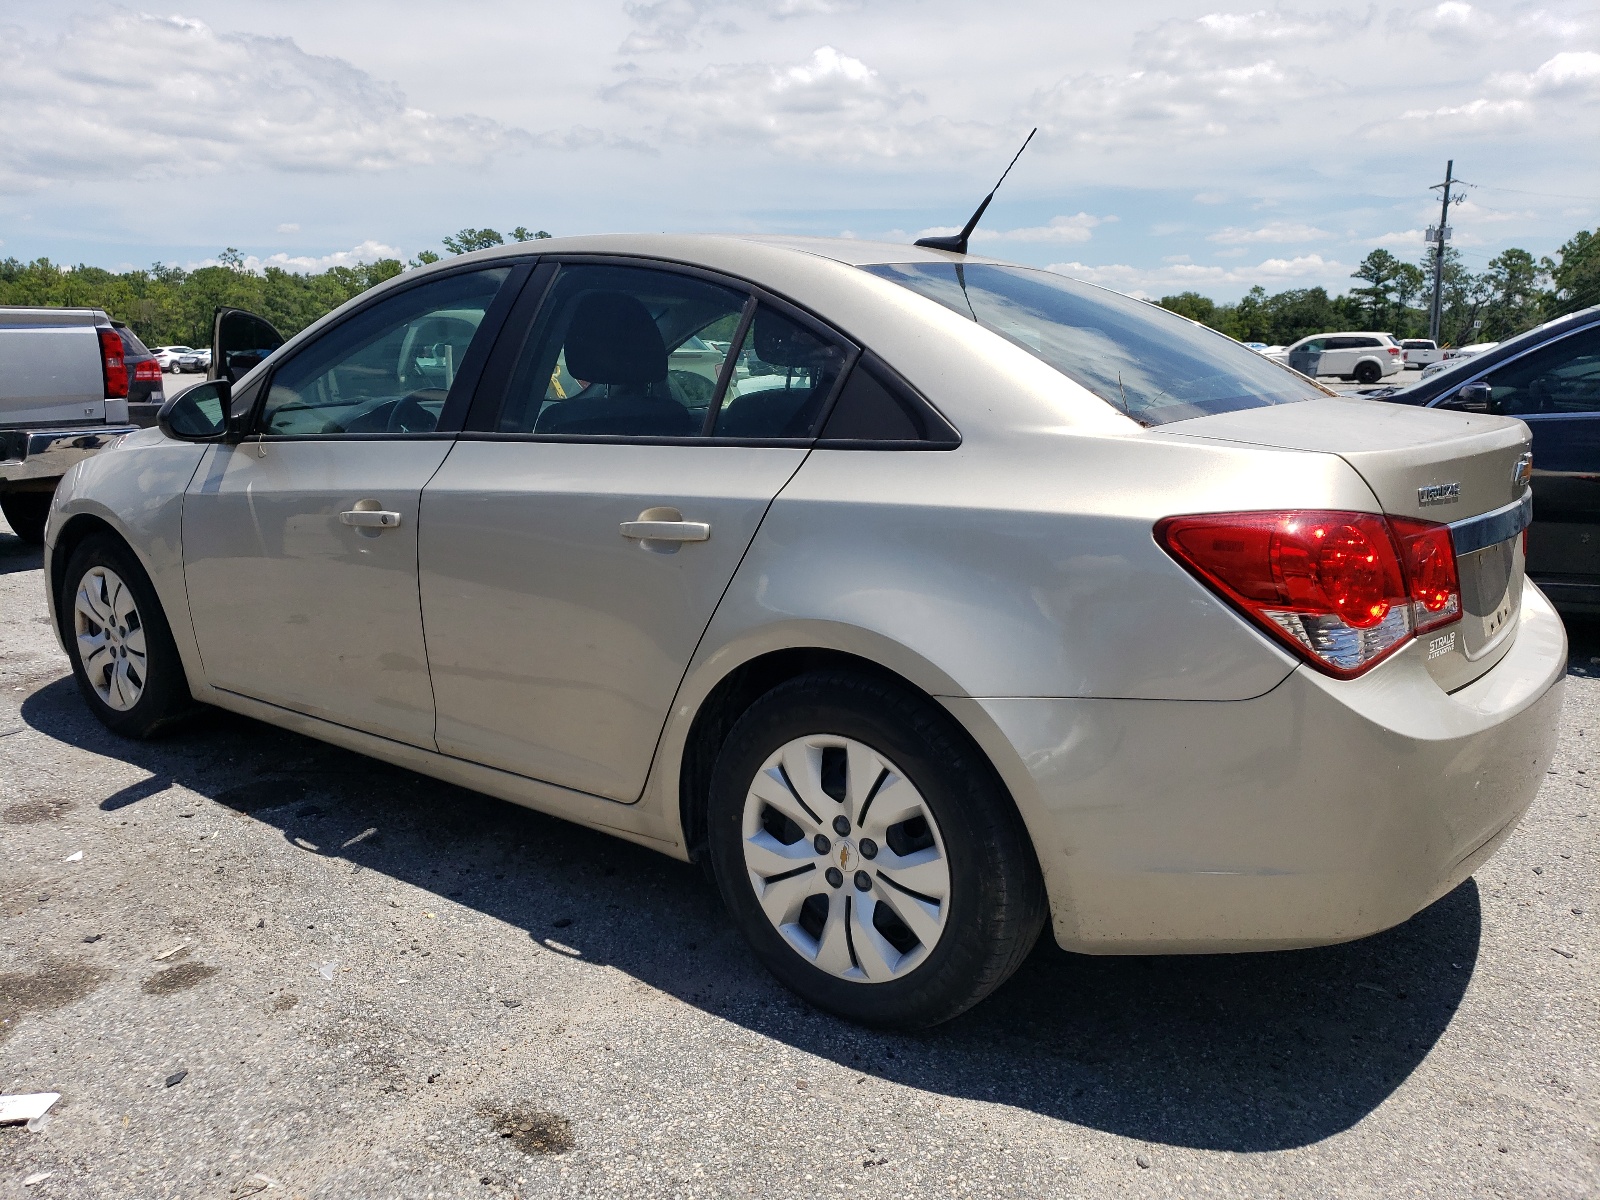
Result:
pixel 1453 355
pixel 1420 352
pixel 168 356
pixel 1364 357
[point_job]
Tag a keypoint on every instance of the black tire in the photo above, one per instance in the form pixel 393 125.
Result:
pixel 1368 373
pixel 165 697
pixel 996 898
pixel 26 512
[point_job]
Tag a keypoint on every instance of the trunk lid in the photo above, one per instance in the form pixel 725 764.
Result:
pixel 1455 468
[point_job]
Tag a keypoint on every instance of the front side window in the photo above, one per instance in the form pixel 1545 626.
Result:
pixel 1150 364
pixel 623 352
pixel 1563 377
pixel 387 369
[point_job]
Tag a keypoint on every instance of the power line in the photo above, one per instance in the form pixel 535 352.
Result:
pixel 1494 187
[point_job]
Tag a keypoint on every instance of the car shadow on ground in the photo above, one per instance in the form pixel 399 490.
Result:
pixel 18 555
pixel 1242 1052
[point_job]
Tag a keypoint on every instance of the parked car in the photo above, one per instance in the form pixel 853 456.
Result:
pixel 1454 353
pixel 64 384
pixel 195 361
pixel 146 389
pixel 1550 378
pixel 1011 600
pixel 168 356
pixel 1363 357
pixel 1419 352
pixel 1259 347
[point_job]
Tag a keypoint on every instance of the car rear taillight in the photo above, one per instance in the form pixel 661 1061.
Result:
pixel 112 365
pixel 1394 349
pixel 147 371
pixel 1344 590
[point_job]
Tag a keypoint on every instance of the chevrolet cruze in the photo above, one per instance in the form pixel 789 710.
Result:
pixel 927 599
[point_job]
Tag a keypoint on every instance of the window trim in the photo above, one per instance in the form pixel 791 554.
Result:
pixel 508 351
pixel 1440 400
pixel 472 368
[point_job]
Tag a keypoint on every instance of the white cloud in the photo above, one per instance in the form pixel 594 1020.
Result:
pixel 1515 100
pixel 368 251
pixel 289 227
pixel 1077 228
pixel 830 105
pixel 1308 270
pixel 1275 231
pixel 77 105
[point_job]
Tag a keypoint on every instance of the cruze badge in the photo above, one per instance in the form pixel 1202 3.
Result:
pixel 1439 493
pixel 1522 472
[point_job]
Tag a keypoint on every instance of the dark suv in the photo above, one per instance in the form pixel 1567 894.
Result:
pixel 1550 378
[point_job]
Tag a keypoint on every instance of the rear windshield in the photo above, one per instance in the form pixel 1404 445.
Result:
pixel 1150 364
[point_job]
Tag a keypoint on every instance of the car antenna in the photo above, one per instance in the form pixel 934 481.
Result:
pixel 957 243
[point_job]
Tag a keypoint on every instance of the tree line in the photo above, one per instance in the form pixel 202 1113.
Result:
pixel 168 306
pixel 1513 293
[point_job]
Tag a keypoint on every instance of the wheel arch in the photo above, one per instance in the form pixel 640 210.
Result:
pixel 739 684
pixel 74 531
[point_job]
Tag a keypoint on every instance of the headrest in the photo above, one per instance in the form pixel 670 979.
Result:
pixel 613 340
pixel 782 343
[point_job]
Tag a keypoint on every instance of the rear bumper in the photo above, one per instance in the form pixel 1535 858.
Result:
pixel 27 455
pixel 1323 811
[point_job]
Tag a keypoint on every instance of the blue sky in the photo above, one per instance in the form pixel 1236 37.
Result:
pixel 1180 146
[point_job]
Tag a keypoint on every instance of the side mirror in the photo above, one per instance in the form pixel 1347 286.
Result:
pixel 199 414
pixel 1475 397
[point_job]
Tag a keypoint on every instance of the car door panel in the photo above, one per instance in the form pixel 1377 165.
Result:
pixel 555 642
pixel 293 606
pixel 1564 541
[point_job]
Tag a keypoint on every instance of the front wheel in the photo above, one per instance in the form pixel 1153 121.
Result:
pixel 1368 372
pixel 123 657
pixel 868 853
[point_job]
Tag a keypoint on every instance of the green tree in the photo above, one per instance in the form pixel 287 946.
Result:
pixel 1192 305
pixel 1380 298
pixel 1576 278
pixel 521 234
pixel 468 240
pixel 1515 296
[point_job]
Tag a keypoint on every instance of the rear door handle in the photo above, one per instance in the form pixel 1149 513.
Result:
pixel 667 531
pixel 371 518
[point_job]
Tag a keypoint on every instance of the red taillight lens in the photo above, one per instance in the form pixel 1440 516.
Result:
pixel 1430 565
pixel 147 371
pixel 1343 589
pixel 1394 349
pixel 112 365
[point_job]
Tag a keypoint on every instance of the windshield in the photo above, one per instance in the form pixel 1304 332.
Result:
pixel 1150 364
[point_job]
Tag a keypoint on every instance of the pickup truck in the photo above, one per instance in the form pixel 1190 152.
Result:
pixel 1420 352
pixel 64 385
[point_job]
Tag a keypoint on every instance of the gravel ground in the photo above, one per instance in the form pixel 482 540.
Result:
pixel 279 969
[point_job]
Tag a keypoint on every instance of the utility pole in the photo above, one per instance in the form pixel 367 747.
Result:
pixel 1439 237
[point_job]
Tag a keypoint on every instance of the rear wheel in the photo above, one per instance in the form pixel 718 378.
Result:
pixel 1368 372
pixel 868 853
pixel 123 656
pixel 26 512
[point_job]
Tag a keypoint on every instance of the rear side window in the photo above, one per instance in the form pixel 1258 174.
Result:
pixel 131 345
pixel 782 377
pixel 622 351
pixel 1150 364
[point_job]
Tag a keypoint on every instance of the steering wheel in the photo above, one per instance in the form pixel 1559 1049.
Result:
pixel 408 416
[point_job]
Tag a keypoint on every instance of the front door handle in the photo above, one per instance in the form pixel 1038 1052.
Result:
pixel 371 518
pixel 667 531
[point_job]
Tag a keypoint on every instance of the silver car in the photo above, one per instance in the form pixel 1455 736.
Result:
pixel 960 597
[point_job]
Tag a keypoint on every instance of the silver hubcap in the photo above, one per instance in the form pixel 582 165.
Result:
pixel 846 859
pixel 110 638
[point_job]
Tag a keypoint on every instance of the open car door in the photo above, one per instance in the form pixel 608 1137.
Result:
pixel 239 341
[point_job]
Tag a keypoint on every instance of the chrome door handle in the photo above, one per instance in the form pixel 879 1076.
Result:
pixel 667 531
pixel 371 518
